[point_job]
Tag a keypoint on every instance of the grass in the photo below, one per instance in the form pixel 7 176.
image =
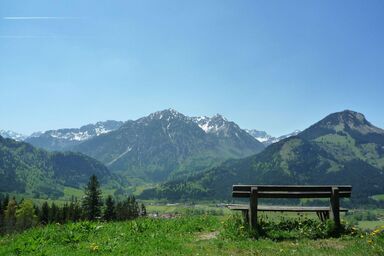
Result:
pixel 379 197
pixel 188 235
pixel 370 225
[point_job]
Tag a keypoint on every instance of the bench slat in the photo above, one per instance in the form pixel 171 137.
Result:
pixel 285 194
pixel 278 208
pixel 293 188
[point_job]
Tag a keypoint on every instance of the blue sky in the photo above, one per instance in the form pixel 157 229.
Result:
pixel 271 65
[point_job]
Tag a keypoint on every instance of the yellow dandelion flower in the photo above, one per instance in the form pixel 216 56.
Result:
pixel 94 247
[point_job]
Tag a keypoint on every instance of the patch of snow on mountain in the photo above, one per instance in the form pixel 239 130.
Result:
pixel 80 136
pixel 12 135
pixel 267 139
pixel 101 130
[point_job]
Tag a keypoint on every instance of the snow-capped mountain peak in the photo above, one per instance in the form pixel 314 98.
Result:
pixel 217 124
pixel 167 114
pixel 267 139
pixel 12 135
pixel 64 138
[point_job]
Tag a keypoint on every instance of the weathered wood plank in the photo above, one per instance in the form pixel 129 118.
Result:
pixel 283 208
pixel 285 194
pixel 293 188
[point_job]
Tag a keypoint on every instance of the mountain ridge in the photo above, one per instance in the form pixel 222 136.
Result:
pixel 26 169
pixel 325 153
pixel 168 143
pixel 64 139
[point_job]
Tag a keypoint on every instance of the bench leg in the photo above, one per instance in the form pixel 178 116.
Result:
pixel 320 214
pixel 335 207
pixel 253 209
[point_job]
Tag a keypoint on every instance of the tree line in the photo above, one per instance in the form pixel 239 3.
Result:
pixel 18 216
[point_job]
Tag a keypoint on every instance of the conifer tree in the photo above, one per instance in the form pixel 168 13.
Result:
pixel 1 207
pixel 64 213
pixel 10 215
pixel 109 211
pixel 5 201
pixel 120 211
pixel 92 200
pixel 1 214
pixel 143 210
pixel 53 212
pixel 25 215
pixel 75 211
pixel 135 208
pixel 44 214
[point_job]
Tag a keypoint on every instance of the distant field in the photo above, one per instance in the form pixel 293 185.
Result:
pixel 370 225
pixel 379 197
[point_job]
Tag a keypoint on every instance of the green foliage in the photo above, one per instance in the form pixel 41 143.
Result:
pixel 92 200
pixel 38 173
pixel 197 235
pixel 234 228
pixel 10 216
pixel 25 215
pixel 109 211
pixel 127 209
pixel 44 214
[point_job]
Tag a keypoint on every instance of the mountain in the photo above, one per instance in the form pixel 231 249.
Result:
pixel 342 148
pixel 12 135
pixel 267 139
pixel 262 136
pixel 26 169
pixel 169 144
pixel 65 139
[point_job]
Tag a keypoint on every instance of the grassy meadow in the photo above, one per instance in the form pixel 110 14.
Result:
pixel 188 235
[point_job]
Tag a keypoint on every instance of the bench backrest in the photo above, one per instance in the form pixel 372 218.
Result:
pixel 291 191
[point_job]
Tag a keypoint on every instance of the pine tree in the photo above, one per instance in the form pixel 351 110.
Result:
pixel 75 211
pixel 64 213
pixel 120 211
pixel 1 206
pixel 92 200
pixel 44 214
pixel 135 211
pixel 10 215
pixel 25 215
pixel 143 211
pixel 109 211
pixel 53 212
pixel 1 214
pixel 5 202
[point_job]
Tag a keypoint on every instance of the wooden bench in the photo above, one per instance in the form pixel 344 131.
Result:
pixel 254 192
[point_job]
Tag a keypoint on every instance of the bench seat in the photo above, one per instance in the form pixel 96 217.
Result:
pixel 278 208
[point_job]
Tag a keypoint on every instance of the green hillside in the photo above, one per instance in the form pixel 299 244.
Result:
pixel 343 148
pixel 28 170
